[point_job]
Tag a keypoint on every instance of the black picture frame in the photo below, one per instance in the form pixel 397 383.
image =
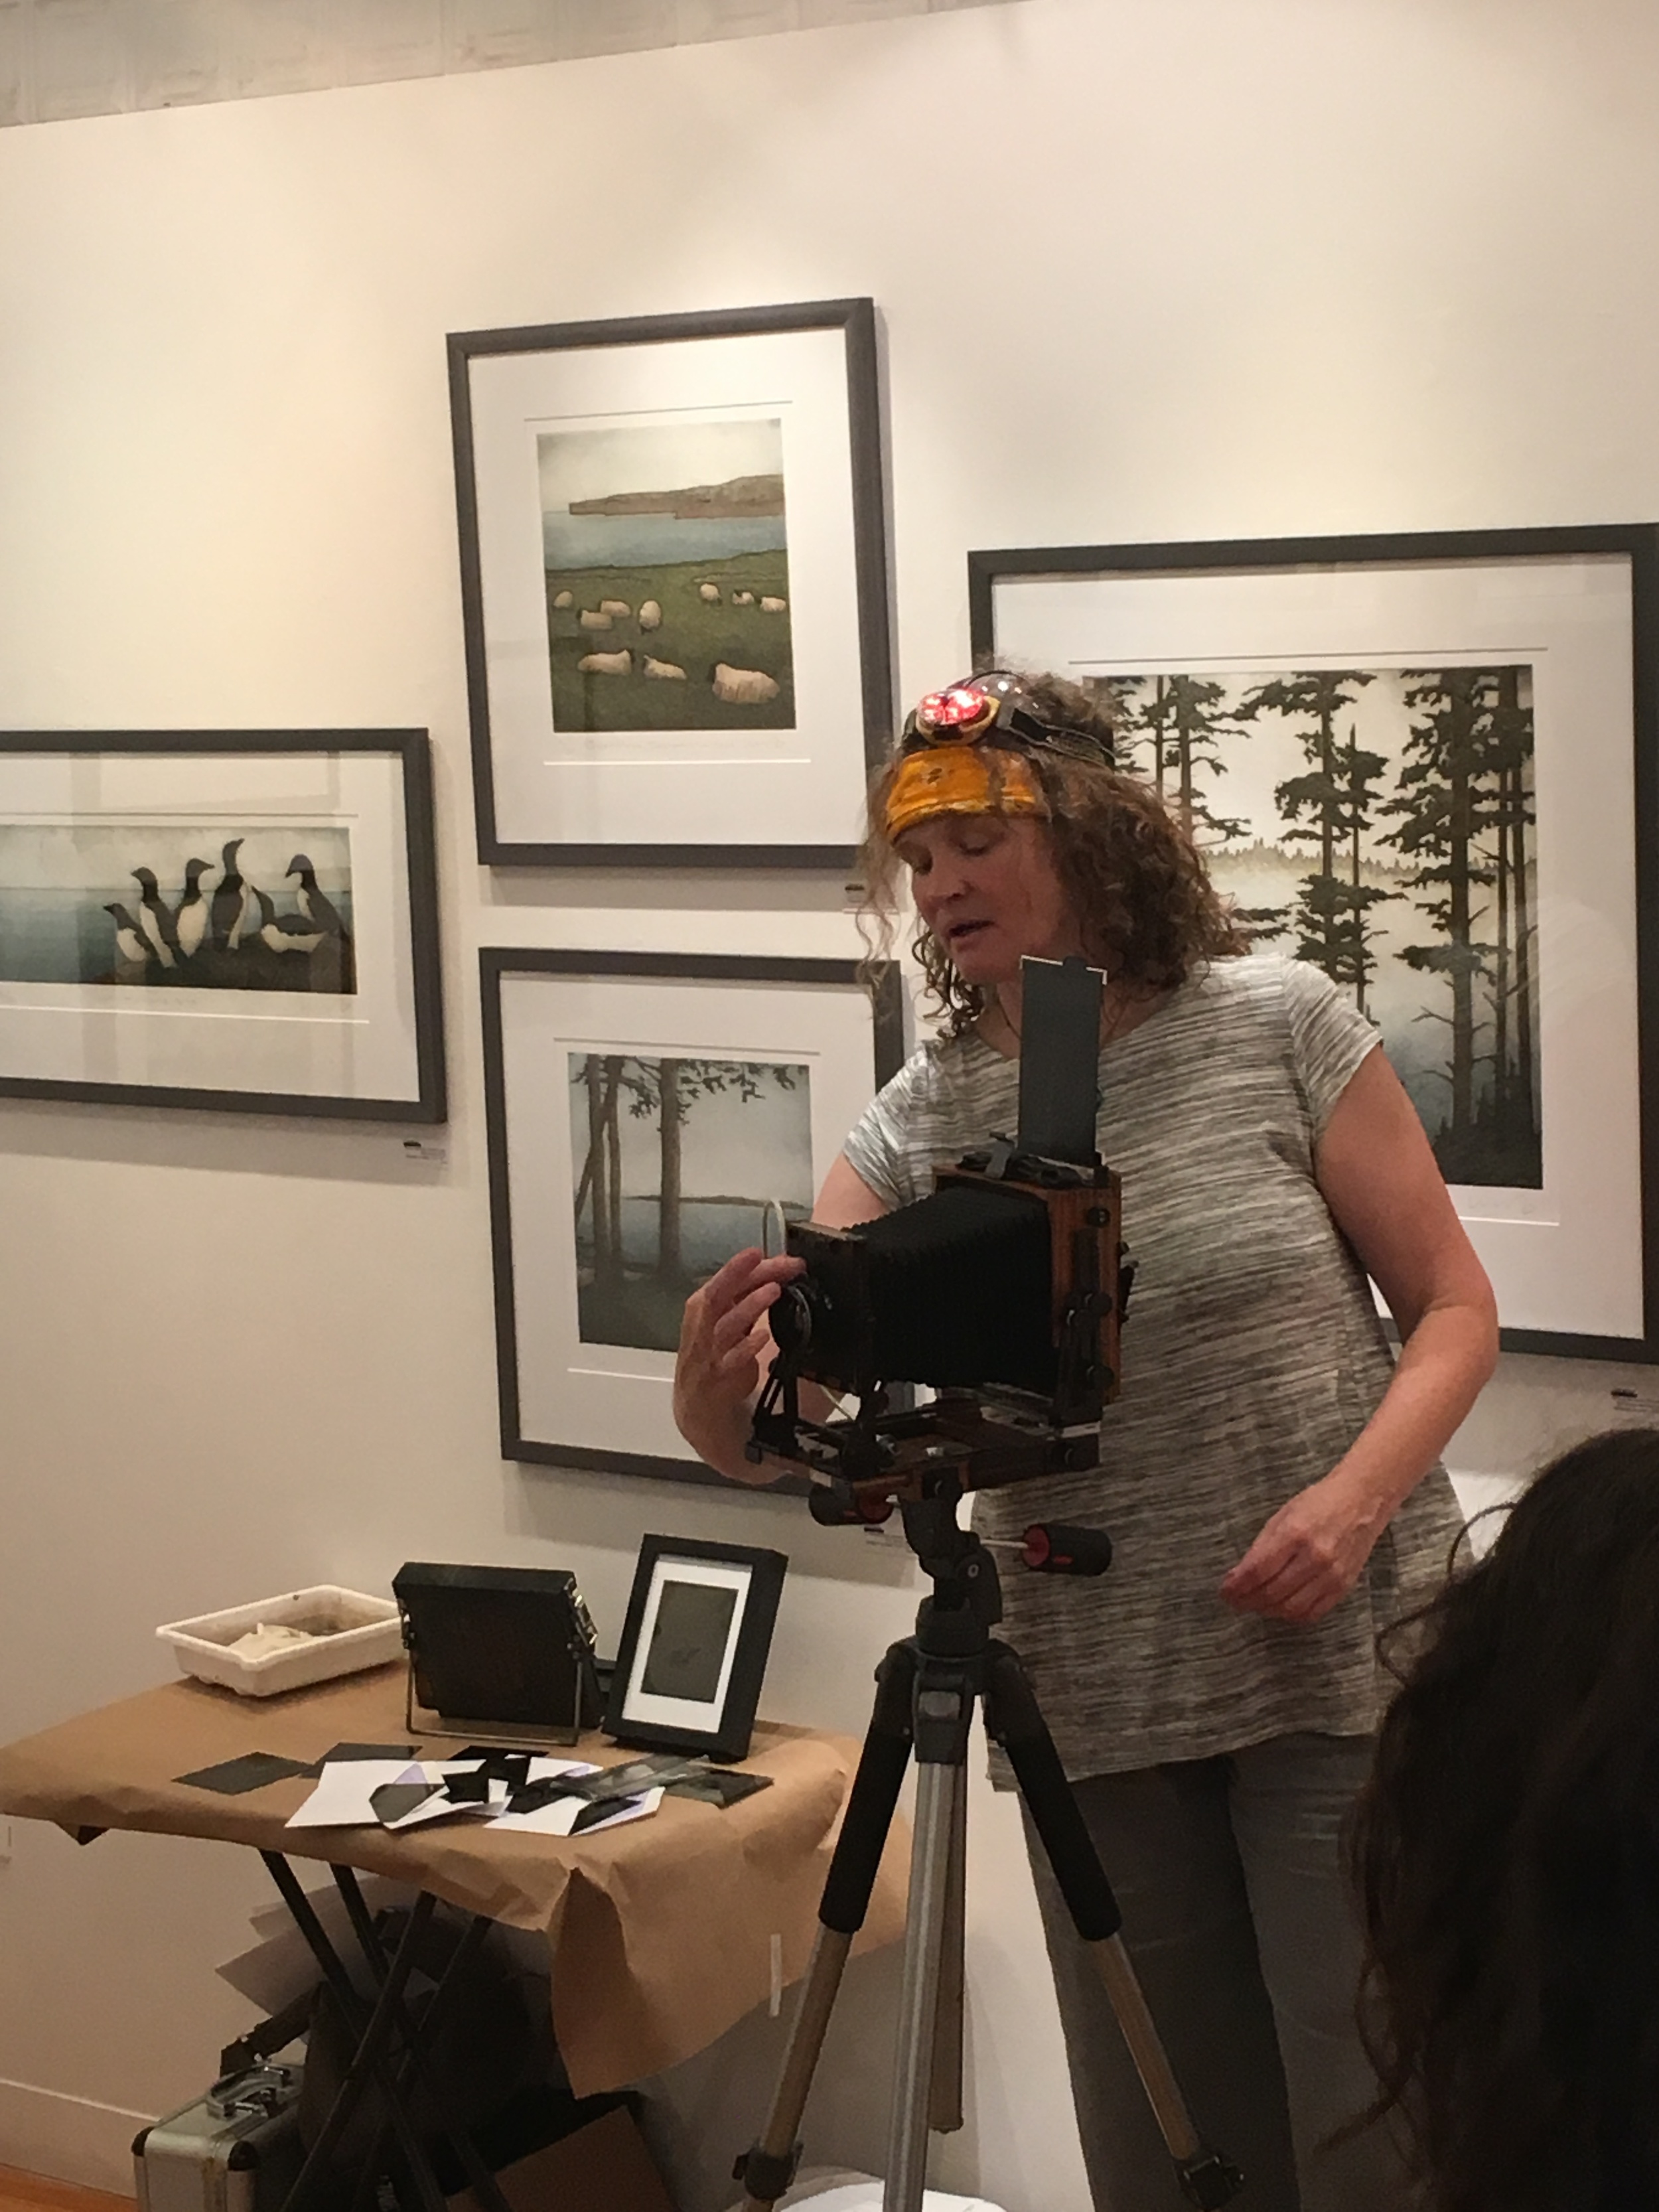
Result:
pixel 997 577
pixel 521 1329
pixel 500 844
pixel 415 998
pixel 721 1661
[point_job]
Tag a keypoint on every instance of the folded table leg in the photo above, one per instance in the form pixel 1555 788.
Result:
pixel 417 2035
pixel 372 2059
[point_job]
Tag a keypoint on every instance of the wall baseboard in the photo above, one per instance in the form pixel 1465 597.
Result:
pixel 69 2138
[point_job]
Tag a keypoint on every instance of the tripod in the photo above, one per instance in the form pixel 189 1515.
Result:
pixel 928 1685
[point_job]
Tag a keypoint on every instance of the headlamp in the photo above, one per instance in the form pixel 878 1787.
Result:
pixel 964 750
pixel 992 709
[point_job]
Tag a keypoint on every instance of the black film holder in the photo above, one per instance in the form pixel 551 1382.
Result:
pixel 493 1650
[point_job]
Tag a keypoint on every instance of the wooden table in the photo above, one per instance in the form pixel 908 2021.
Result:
pixel 661 1933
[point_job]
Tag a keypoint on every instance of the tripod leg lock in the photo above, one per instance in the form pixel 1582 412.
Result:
pixel 1209 2180
pixel 766 2176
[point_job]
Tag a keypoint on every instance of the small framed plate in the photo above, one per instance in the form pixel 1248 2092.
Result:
pixel 693 1646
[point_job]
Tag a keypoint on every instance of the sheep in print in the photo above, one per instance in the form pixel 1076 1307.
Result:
pixel 743 687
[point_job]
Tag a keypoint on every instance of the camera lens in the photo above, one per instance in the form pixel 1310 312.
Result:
pixel 791 1319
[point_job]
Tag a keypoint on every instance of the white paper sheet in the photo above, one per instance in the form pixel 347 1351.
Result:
pixel 343 1788
pixel 559 1818
pixel 344 1792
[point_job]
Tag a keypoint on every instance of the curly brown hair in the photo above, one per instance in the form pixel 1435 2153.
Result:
pixel 1505 1855
pixel 1148 912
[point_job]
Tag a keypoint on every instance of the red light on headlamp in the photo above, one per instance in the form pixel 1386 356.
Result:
pixel 964 707
pixel 993 708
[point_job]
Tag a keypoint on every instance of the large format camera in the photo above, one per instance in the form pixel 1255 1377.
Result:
pixel 1003 1292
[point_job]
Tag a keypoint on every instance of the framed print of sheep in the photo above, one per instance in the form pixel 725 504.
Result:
pixel 241 919
pixel 674 582
pixel 1428 765
pixel 648 1116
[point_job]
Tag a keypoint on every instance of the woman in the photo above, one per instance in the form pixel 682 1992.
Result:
pixel 1507 1853
pixel 1269 1475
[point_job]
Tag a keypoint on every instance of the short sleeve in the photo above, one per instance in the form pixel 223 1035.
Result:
pixel 876 1146
pixel 1330 1038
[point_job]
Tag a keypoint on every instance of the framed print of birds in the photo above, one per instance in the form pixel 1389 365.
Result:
pixel 222 918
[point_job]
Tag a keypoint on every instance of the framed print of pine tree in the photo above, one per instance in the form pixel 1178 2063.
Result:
pixel 1426 764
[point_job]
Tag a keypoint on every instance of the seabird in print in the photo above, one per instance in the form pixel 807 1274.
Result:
pixel 155 921
pixel 287 933
pixel 229 905
pixel 190 916
pixel 313 904
pixel 132 947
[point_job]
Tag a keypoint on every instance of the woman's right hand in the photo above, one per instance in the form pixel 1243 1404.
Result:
pixel 725 1347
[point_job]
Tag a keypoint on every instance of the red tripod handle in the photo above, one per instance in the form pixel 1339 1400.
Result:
pixel 1055 1547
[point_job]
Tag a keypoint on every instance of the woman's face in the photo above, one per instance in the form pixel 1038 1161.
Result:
pixel 986 887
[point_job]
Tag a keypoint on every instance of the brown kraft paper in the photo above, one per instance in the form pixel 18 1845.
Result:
pixel 659 1932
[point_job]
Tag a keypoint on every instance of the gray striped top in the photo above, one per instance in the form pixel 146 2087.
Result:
pixel 1252 1357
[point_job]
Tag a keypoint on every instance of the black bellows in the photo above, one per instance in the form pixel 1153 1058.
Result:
pixel 961 1290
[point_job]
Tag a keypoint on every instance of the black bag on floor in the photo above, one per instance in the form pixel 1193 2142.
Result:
pixel 491 2043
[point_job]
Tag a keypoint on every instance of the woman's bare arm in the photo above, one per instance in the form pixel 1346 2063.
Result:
pixel 1386 1194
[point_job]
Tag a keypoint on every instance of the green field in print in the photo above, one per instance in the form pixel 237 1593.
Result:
pixel 667 576
pixel 695 635
pixel 1380 822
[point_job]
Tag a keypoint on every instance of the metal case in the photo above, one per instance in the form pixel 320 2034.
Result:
pixel 236 2149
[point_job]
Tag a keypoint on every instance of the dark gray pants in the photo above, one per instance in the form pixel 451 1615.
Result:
pixel 1237 1917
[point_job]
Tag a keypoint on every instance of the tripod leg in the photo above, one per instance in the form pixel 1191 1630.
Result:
pixel 944 2105
pixel 1015 1720
pixel 947 1687
pixel 768 2169
pixel 918 1990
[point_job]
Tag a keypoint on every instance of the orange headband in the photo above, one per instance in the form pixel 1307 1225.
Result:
pixel 960 779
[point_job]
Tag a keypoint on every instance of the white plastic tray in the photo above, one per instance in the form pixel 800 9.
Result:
pixel 351 1630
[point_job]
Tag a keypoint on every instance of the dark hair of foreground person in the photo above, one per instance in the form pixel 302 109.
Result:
pixel 1506 1856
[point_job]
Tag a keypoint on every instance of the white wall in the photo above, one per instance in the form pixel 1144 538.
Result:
pixel 1151 268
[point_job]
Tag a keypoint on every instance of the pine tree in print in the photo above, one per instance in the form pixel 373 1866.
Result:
pixel 1179 725
pixel 1381 825
pixel 1462 798
pixel 1330 805
pixel 642 1237
pixel 1511 817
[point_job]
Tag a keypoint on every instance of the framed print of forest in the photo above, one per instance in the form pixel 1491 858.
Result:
pixel 674 586
pixel 242 920
pixel 649 1115
pixel 1427 765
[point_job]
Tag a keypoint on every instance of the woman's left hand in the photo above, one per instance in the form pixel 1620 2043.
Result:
pixel 1309 1555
